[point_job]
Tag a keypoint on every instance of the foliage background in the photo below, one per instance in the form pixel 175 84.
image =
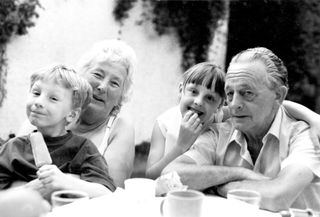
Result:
pixel 290 28
pixel 192 22
pixel 15 18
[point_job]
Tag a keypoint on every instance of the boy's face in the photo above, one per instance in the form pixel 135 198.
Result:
pixel 200 100
pixel 48 106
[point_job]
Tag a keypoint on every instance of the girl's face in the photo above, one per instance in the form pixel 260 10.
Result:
pixel 48 106
pixel 107 80
pixel 200 100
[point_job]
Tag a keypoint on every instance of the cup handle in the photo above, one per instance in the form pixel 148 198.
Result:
pixel 161 207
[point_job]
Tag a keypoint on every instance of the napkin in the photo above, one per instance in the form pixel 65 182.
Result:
pixel 168 182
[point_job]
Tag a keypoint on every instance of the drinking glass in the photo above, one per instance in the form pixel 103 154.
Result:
pixel 63 197
pixel 182 203
pixel 248 196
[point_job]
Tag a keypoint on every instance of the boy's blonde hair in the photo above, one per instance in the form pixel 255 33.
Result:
pixel 114 51
pixel 206 74
pixel 68 78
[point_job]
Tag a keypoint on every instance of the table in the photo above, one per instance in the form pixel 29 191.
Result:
pixel 119 204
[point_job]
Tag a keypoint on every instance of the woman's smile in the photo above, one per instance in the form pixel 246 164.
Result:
pixel 98 98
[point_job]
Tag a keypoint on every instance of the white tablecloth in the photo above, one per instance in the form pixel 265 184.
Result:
pixel 119 204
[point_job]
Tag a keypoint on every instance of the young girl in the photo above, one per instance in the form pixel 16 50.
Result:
pixel 177 128
pixel 201 96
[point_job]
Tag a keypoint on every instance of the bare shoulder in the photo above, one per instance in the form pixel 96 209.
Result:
pixel 122 130
pixel 123 124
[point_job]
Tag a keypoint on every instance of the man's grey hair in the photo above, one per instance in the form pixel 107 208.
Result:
pixel 277 72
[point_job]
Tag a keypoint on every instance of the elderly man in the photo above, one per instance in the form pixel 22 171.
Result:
pixel 260 147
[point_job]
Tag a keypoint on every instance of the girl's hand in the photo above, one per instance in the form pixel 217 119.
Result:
pixel 52 178
pixel 190 129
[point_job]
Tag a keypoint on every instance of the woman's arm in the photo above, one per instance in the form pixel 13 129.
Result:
pixel 121 151
pixel 301 112
pixel 22 202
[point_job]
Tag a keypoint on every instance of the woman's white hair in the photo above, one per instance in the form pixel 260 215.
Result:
pixel 115 51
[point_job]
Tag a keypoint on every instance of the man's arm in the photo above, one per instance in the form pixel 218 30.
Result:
pixel 200 177
pixel 278 193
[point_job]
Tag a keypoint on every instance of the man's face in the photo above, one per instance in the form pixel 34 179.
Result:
pixel 252 104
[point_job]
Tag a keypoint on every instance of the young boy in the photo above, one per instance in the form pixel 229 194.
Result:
pixel 57 96
pixel 201 95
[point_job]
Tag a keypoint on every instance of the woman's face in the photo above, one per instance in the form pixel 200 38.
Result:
pixel 107 80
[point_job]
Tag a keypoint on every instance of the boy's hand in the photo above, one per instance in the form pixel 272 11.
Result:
pixel 52 178
pixel 190 129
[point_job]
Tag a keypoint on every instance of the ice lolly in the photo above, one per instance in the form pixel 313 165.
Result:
pixel 39 148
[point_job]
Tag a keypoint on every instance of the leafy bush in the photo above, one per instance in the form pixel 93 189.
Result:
pixel 15 18
pixel 289 28
pixel 192 22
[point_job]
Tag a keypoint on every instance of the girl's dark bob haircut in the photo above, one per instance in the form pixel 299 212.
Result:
pixel 206 74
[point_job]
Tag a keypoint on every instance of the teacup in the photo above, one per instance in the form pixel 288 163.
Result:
pixel 182 203
pixel 63 197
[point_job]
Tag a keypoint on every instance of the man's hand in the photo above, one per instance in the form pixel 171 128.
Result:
pixel 222 190
pixel 247 175
pixel 190 129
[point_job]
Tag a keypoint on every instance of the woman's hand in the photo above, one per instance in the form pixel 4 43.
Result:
pixel 22 202
pixel 36 185
pixel 190 129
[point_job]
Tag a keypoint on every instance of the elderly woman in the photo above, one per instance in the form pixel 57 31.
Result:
pixel 108 67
